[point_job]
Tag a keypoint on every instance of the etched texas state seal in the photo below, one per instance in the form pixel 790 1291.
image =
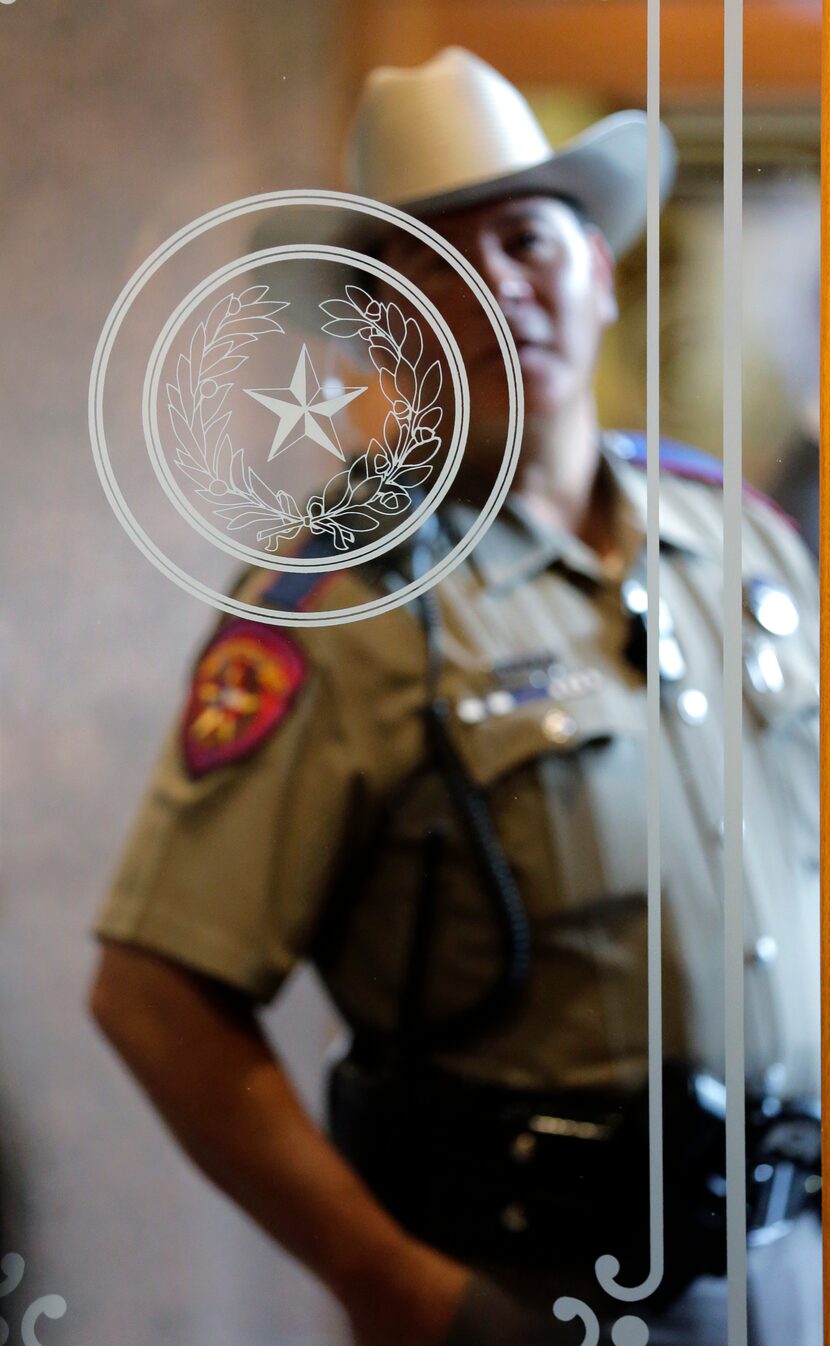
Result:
pixel 297 404
pixel 325 443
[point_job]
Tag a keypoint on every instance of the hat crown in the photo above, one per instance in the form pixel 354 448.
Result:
pixel 440 127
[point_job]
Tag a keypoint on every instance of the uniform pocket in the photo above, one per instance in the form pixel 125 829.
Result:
pixel 501 744
pixel 566 785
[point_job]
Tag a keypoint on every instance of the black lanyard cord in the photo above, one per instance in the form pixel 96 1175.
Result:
pixel 498 882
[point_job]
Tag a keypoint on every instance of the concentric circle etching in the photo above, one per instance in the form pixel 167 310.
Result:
pixel 364 494
pixel 377 485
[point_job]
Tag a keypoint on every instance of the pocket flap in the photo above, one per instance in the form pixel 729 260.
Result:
pixel 499 744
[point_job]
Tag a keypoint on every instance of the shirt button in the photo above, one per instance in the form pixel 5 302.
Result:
pixel 764 951
pixel 775 1079
pixel 635 597
pixel 672 663
pixel 764 668
pixel 471 710
pixel 772 608
pixel 693 706
pixel 500 703
pixel 721 828
pixel 559 726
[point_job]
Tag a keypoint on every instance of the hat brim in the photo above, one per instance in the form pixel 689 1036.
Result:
pixel 604 170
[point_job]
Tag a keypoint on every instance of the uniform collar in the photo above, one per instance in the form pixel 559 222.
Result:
pixel 678 529
pixel 518 546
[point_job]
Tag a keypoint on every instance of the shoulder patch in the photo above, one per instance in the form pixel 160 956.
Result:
pixel 243 686
pixel 682 460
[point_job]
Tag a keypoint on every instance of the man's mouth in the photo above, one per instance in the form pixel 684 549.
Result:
pixel 539 334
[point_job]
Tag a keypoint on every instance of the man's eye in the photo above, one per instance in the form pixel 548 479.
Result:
pixel 530 241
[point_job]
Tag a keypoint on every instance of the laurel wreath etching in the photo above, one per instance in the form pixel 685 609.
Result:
pixel 374 488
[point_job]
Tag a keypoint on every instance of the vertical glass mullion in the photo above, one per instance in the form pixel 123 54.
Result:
pixel 824 562
pixel 733 673
pixel 655 1024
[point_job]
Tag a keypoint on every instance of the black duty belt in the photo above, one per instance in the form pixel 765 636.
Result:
pixel 486 1172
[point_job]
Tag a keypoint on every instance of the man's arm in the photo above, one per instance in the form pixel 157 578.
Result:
pixel 198 1052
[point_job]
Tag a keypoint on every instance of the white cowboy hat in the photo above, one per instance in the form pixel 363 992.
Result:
pixel 454 132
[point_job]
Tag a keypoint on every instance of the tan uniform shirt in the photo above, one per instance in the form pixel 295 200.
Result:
pixel 235 873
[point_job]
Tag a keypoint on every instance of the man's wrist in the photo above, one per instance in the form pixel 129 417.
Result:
pixel 404 1287
pixel 360 1261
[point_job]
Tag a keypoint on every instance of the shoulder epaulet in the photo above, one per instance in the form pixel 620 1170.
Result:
pixel 680 460
pixel 295 590
pixel 683 460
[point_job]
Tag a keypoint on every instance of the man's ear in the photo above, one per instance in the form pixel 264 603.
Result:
pixel 604 265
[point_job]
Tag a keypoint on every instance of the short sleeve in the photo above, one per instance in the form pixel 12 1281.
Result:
pixel 229 872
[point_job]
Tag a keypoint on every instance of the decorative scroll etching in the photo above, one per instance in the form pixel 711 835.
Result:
pixel 12 1271
pixel 626 1331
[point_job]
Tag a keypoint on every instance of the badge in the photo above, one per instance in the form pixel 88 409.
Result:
pixel 526 680
pixel 243 687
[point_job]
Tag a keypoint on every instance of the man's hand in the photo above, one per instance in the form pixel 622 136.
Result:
pixel 426 1299
pixel 487 1316
pixel 200 1055
pixel 412 1300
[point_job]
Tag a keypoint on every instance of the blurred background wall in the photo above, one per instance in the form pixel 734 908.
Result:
pixel 120 123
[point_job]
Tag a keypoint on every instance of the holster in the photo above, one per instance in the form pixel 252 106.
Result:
pixel 488 1173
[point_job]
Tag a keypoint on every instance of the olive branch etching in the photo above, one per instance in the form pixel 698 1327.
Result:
pixel 12 1270
pixel 197 396
pixel 374 488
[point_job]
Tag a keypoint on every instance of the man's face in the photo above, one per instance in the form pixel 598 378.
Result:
pixel 553 279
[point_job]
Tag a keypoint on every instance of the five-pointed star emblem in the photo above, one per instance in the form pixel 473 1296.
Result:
pixel 305 411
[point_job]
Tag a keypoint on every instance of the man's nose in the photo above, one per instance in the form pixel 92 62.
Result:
pixel 504 277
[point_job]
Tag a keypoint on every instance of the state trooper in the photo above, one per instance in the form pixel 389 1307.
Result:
pixel 444 808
